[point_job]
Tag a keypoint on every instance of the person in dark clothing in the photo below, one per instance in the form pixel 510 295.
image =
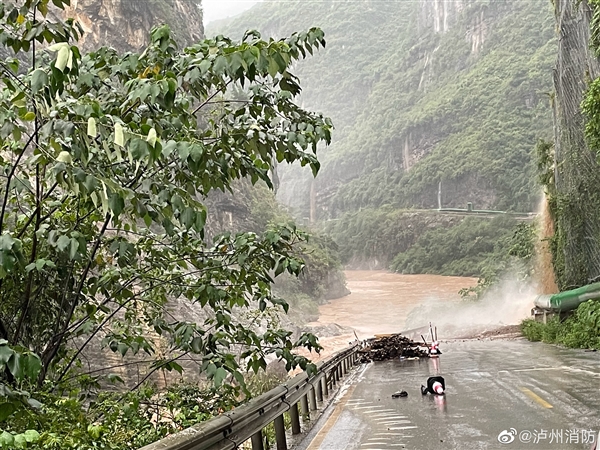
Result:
pixel 435 385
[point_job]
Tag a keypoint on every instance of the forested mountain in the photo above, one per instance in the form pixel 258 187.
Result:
pixel 420 93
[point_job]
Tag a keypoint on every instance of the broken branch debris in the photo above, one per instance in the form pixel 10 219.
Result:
pixel 392 346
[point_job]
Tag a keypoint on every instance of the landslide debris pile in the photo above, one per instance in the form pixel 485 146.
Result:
pixel 392 346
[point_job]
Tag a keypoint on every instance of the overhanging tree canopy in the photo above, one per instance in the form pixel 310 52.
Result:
pixel 105 161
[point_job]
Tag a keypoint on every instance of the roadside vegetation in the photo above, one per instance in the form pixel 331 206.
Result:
pixel 581 330
pixel 106 261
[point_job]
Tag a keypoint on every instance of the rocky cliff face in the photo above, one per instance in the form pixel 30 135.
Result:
pixel 125 24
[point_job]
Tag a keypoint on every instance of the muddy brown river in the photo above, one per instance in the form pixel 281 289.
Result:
pixel 381 301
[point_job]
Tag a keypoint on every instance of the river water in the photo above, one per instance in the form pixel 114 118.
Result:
pixel 380 303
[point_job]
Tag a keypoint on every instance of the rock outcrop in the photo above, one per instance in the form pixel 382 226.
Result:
pixel 125 24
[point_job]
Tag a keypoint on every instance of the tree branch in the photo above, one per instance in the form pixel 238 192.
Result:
pixel 3 330
pixel 10 175
pixel 54 346
pixel 207 101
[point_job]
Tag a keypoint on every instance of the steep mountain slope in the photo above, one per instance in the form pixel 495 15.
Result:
pixel 420 93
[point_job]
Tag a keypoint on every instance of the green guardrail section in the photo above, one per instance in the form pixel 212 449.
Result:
pixel 568 300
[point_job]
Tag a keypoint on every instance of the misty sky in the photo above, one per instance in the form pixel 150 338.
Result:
pixel 219 9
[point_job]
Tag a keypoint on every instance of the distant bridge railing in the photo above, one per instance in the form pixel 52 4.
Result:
pixel 230 430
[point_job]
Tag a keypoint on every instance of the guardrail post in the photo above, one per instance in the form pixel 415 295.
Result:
pixel 345 366
pixel 257 441
pixel 295 418
pixel 312 398
pixel 319 389
pixel 325 384
pixel 304 405
pixel 280 433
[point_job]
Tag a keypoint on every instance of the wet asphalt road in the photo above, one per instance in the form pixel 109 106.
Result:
pixel 541 397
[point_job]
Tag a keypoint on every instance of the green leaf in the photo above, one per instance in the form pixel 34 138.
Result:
pixel 220 64
pixel 64 157
pixel 74 246
pixel 119 137
pixel 14 366
pixel 39 79
pixel 114 378
pixel 29 117
pixel 116 204
pixel 169 148
pixel 7 440
pixel 34 403
pixel 32 365
pixel 63 243
pixel 31 436
pixel 5 354
pixel 91 129
pixel 211 369
pixel 151 138
pixel 6 410
pixel 188 218
pixel 139 149
pixel 196 345
pixel 122 348
pixel 95 431
pixel 62 58
pixel 220 376
pixel 20 441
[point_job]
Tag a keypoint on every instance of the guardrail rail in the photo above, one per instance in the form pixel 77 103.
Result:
pixel 231 429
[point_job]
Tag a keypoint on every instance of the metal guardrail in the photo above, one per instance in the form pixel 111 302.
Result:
pixel 231 429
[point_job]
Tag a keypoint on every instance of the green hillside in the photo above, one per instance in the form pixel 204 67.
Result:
pixel 420 93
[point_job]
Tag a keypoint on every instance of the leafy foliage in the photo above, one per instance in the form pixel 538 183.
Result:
pixel 117 421
pixel 581 330
pixel 107 161
pixel 22 367
pixel 467 249
pixel 411 241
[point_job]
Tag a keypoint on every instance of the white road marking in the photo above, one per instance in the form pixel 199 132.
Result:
pixel 381 411
pixel 390 417
pixel 394 434
pixel 368 444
